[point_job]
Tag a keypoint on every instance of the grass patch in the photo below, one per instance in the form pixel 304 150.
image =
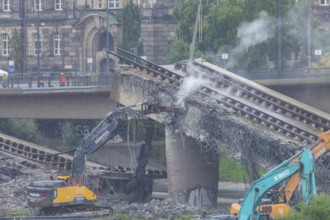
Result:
pixel 230 169
pixel 124 217
pixel 18 212
pixel 158 152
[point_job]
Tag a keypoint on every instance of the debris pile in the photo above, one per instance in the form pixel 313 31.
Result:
pixel 166 209
pixel 17 174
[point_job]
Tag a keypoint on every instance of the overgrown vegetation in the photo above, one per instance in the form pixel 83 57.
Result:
pixel 230 169
pixel 17 51
pixel 17 212
pixel 127 217
pixel 65 134
pixel 131 29
pixel 20 128
pixel 318 209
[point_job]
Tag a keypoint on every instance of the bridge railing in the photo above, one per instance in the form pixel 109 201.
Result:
pixel 264 74
pixel 303 73
pixel 50 80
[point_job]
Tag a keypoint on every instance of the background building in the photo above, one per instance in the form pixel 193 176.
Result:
pixel 74 35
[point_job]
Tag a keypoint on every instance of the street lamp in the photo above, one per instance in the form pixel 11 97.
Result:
pixel 108 61
pixel 309 35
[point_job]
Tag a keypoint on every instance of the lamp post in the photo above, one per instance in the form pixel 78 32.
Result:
pixel 108 61
pixel 309 35
pixel 38 48
pixel 279 11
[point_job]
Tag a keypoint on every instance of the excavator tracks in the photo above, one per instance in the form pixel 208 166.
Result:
pixel 245 98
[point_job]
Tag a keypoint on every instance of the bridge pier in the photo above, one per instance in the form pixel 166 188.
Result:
pixel 191 178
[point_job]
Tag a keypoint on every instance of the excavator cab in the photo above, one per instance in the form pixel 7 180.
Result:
pixel 43 193
pixel 50 194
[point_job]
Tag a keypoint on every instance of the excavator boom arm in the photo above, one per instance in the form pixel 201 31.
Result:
pixel 321 147
pixel 305 168
pixel 107 129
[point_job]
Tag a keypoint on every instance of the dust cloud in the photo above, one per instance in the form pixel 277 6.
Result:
pixel 250 34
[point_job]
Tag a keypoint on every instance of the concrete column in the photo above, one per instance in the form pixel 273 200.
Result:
pixel 191 177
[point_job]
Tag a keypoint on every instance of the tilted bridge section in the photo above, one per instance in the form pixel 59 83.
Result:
pixel 192 178
pixel 250 100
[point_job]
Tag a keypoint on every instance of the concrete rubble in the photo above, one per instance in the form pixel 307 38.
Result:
pixel 17 173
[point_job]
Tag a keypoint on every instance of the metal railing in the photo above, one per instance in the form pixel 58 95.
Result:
pixel 304 73
pixel 51 80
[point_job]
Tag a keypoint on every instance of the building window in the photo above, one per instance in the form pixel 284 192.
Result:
pixel 58 5
pixel 324 2
pixel 6 5
pixel 57 44
pixel 5 45
pixel 113 3
pixel 37 45
pixel 38 5
pixel 97 4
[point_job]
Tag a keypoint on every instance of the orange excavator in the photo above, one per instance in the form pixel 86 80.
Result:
pixel 284 196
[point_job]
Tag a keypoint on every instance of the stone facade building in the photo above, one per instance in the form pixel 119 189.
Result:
pixel 74 35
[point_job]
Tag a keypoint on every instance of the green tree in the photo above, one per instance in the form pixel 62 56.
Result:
pixel 225 28
pixel 20 128
pixel 179 52
pixel 131 29
pixel 17 50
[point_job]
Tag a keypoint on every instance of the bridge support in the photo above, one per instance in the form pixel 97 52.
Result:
pixel 191 178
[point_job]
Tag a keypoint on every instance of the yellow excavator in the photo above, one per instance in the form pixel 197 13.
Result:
pixel 78 192
pixel 285 193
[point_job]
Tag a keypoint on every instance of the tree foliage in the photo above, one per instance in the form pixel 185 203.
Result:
pixel 20 128
pixel 325 60
pixel 17 50
pixel 131 29
pixel 180 51
pixel 248 31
